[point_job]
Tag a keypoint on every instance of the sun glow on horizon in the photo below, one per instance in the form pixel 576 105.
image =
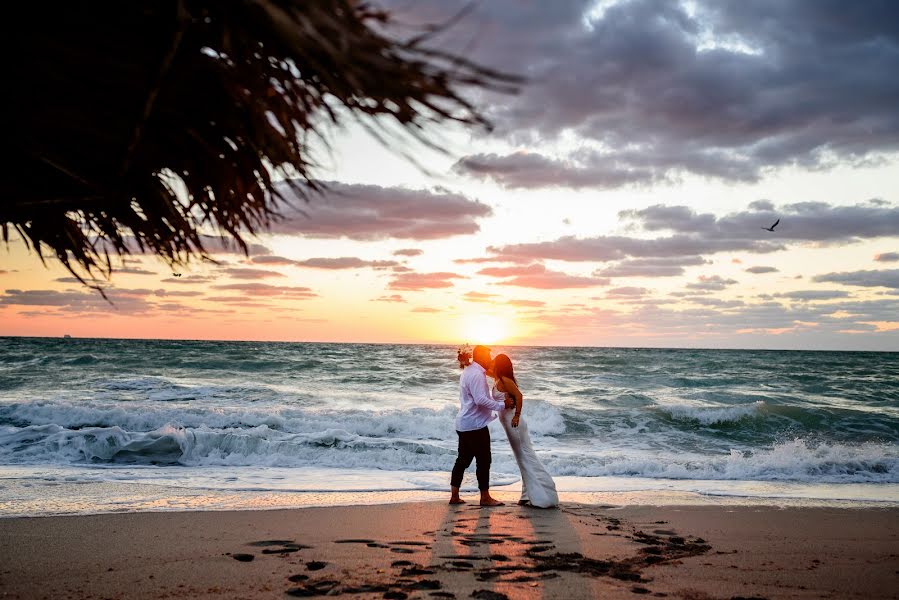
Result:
pixel 484 328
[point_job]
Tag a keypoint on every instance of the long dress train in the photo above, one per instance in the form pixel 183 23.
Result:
pixel 537 485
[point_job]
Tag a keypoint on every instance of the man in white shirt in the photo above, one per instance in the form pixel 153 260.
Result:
pixel 475 413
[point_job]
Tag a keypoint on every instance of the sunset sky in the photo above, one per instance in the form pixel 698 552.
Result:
pixel 619 201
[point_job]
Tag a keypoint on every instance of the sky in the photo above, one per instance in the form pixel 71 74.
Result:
pixel 619 200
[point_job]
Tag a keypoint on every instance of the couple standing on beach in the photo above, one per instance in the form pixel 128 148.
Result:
pixel 478 403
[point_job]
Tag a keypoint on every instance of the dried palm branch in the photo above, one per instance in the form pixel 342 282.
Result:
pixel 140 124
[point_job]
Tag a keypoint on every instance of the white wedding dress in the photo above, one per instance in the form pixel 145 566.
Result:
pixel 537 486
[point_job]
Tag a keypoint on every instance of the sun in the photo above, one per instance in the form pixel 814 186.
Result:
pixel 484 329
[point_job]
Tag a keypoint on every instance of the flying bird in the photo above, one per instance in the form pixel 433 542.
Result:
pixel 772 227
pixel 177 274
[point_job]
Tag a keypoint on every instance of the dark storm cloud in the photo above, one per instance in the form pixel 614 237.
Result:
pixel 372 212
pixel 725 89
pixel 887 257
pixel 886 278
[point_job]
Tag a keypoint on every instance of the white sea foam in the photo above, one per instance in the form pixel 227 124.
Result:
pixel 714 415
pixel 797 460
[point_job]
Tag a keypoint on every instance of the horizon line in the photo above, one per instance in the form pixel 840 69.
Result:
pixel 450 344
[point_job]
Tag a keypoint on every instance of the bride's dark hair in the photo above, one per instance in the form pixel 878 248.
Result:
pixel 502 367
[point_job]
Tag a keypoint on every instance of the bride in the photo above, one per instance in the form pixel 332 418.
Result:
pixel 537 486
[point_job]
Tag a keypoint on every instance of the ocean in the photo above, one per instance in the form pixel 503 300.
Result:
pixel 97 425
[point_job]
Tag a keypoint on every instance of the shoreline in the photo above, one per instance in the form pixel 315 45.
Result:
pixel 432 550
pixel 36 498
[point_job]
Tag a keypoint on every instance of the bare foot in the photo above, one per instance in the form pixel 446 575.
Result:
pixel 491 502
pixel 456 501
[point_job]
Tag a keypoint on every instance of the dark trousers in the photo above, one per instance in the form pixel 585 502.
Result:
pixel 473 444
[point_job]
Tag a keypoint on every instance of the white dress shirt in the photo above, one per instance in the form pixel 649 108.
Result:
pixel 476 401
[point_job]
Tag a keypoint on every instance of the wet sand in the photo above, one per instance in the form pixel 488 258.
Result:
pixel 431 550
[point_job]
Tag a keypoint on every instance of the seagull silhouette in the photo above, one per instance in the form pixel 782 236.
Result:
pixel 772 227
pixel 177 274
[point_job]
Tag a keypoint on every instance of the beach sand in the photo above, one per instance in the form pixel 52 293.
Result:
pixel 431 550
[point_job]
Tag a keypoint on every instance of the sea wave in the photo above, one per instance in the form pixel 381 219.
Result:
pixel 796 460
pixel 340 447
pixel 707 415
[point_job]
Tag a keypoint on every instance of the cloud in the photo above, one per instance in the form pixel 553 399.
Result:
pixel 759 270
pixel 808 295
pixel 426 309
pixel 237 301
pixel 717 302
pixel 408 252
pixel 244 273
pixel 885 278
pixel 887 257
pixel 539 277
pixel 212 244
pixel 390 298
pixel 264 289
pixel 526 303
pixel 664 266
pixel 480 260
pixel 800 222
pixel 627 292
pixel 534 170
pixel 371 212
pixel 189 279
pixel 345 262
pixel 422 281
pixel 610 247
pixel 176 293
pixel 123 301
pixel 478 296
pixel 272 260
pixel 134 271
pixel 687 233
pixel 721 89
pixel 713 283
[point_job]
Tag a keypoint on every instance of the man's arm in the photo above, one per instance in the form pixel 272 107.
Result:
pixel 481 394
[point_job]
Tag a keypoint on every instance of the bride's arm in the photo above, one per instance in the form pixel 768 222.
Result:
pixel 512 390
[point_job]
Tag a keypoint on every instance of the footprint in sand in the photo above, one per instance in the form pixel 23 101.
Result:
pixel 243 557
pixel 488 595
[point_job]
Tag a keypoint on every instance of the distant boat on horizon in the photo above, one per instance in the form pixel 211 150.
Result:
pixel 67 337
